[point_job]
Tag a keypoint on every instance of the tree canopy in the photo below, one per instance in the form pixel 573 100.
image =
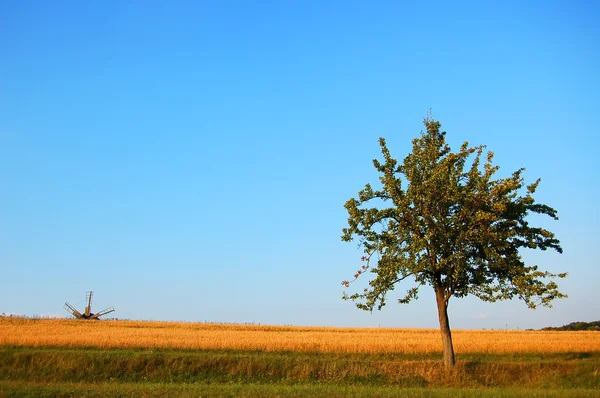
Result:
pixel 441 218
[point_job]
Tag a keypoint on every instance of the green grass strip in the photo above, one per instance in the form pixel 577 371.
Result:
pixel 25 390
pixel 55 366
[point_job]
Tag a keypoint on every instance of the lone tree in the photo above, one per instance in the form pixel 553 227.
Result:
pixel 436 222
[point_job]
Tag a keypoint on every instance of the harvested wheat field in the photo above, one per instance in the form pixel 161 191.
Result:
pixel 178 335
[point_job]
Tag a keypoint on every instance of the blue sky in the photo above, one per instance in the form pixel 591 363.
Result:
pixel 190 160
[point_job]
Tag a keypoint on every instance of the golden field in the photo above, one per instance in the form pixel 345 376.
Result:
pixel 147 334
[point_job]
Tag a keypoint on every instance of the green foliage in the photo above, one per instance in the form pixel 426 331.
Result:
pixel 590 326
pixel 441 218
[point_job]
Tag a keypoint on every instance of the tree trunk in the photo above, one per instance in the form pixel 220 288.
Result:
pixel 449 360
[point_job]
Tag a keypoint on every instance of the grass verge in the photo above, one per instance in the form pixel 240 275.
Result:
pixel 63 390
pixel 57 366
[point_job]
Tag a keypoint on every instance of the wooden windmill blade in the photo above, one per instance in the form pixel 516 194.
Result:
pixel 103 312
pixel 88 308
pixel 73 311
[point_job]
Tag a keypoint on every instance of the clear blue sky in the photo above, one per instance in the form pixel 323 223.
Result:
pixel 190 160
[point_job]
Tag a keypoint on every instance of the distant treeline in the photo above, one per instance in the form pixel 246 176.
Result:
pixel 577 326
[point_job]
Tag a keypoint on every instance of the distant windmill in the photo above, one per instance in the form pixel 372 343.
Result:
pixel 87 313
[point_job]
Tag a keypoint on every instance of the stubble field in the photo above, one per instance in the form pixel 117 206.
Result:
pixel 56 357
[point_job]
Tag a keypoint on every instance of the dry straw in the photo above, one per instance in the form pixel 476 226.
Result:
pixel 144 334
